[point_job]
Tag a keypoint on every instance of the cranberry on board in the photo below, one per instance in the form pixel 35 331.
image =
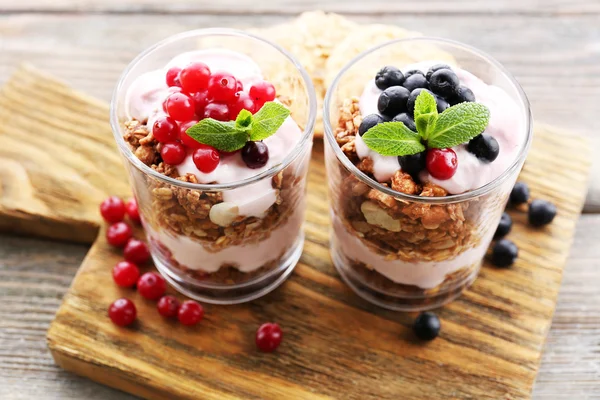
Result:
pixel 217 111
pixel 241 101
pixel 173 76
pixel 268 337
pixel 136 251
pixel 441 163
pixel 118 234
pixel 180 107
pixel 168 306
pixel 125 274
pixel 122 312
pixel 261 92
pixel 151 286
pixel 222 86
pixel 112 209
pixel 173 153
pixel 133 211
pixel 194 77
pixel 206 158
pixel 190 313
pixel 165 129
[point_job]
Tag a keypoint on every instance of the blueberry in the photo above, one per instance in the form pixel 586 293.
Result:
pixel 370 121
pixel 415 81
pixel 442 104
pixel 413 72
pixel 255 154
pixel 427 326
pixel 541 212
pixel 444 82
pixel 413 164
pixel 463 94
pixel 436 67
pixel 392 101
pixel 388 76
pixel 484 147
pixel 504 226
pixel 519 193
pixel 407 120
pixel 504 253
pixel 413 98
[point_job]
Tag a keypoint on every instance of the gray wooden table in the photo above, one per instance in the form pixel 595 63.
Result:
pixel 552 47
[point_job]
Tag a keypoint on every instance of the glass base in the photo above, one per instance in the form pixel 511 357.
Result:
pixel 233 293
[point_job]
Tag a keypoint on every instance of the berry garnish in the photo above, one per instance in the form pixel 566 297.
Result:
pixel 206 158
pixel 151 286
pixel 241 101
pixel 255 154
pixel 484 147
pixel 200 102
pixel 268 337
pixel 412 99
pixel 415 81
pixel 388 76
pixel 133 212
pixel 261 92
pixel 112 209
pixel 435 68
pixel 118 234
pixel 180 107
pixel 504 253
pixel 188 141
pixel 413 72
pixel 173 153
pixel 217 111
pixel 392 101
pixel 125 274
pixel 406 120
pixel 427 326
pixel 136 251
pixel 165 130
pixel 464 94
pixel 222 87
pixel 190 313
pixel 541 212
pixel 504 226
pixel 444 82
pixel 442 104
pixel 194 77
pixel 370 121
pixel 239 87
pixel 122 312
pixel 441 163
pixel 168 306
pixel 519 193
pixel 413 164
pixel 173 77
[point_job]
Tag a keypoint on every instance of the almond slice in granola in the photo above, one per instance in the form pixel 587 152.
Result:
pixel 377 216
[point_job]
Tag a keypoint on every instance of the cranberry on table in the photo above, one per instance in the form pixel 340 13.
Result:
pixel 180 107
pixel 133 211
pixel 242 101
pixel 261 92
pixel 136 251
pixel 427 326
pixel 206 158
pixel 173 76
pixel 173 153
pixel 255 154
pixel 268 337
pixel 168 306
pixel 122 312
pixel 222 87
pixel 112 209
pixel 194 77
pixel 151 286
pixel 125 274
pixel 118 234
pixel 200 102
pixel 441 163
pixel 218 111
pixel 190 313
pixel 165 130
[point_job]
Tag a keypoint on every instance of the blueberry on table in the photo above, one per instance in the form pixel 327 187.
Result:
pixel 504 253
pixel 444 82
pixel 541 212
pixel 370 121
pixel 435 68
pixel 441 103
pixel 392 101
pixel 413 164
pixel 427 326
pixel 407 120
pixel 504 226
pixel 413 72
pixel 414 82
pixel 519 193
pixel 484 147
pixel 388 76
pixel 410 104
pixel 463 95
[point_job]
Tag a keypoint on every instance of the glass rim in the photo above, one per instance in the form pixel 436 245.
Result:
pixel 453 198
pixel 274 170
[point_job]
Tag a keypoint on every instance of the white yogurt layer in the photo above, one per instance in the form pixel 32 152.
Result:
pixel 506 126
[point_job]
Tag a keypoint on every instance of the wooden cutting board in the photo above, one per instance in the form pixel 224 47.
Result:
pixel 57 161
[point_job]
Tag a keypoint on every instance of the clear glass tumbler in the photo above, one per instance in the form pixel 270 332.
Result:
pixel 403 251
pixel 205 239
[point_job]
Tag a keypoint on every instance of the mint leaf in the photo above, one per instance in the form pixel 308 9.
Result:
pixel 425 124
pixel 224 136
pixel 393 139
pixel 426 113
pixel 267 120
pixel 244 120
pixel 458 124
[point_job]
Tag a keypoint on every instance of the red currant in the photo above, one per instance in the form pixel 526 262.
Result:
pixel 118 234
pixel 268 337
pixel 217 111
pixel 222 87
pixel 165 130
pixel 261 92
pixel 136 251
pixel 168 306
pixel 241 101
pixel 133 211
pixel 190 313
pixel 173 77
pixel 239 86
pixel 180 107
pixel 173 153
pixel 441 163
pixel 151 286
pixel 112 209
pixel 186 139
pixel 206 158
pixel 122 312
pixel 125 274
pixel 194 77
pixel 200 102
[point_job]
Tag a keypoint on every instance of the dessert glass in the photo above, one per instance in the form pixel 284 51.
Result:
pixel 204 245
pixel 400 251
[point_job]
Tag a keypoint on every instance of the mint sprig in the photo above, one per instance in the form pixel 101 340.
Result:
pixel 392 139
pixel 233 135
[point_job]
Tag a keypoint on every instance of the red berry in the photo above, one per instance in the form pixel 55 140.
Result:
pixel 112 209
pixel 125 274
pixel 173 153
pixel 217 111
pixel 239 86
pixel 268 337
pixel 122 312
pixel 200 102
pixel 118 234
pixel 206 158
pixel 261 92
pixel 168 306
pixel 190 313
pixel 133 211
pixel 173 77
pixel 222 87
pixel 187 139
pixel 180 107
pixel 241 101
pixel 152 286
pixel 441 163
pixel 194 77
pixel 136 251
pixel 165 130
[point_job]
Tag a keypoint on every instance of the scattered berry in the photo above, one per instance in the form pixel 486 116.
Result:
pixel 504 253
pixel 427 326
pixel 406 120
pixel 388 76
pixel 242 101
pixel 441 163
pixel 125 274
pixel 464 94
pixel 519 193
pixel 504 226
pixel 435 68
pixel 200 102
pixel 168 306
pixel 541 212
pixel 180 107
pixel 217 111
pixel 190 313
pixel 392 101
pixel 370 121
pixel 415 81
pixel 186 139
pixel 173 77
pixel 484 147
pixel 151 286
pixel 118 234
pixel 173 153
pixel 133 211
pixel 255 154
pixel 268 337
pixel 194 77
pixel 222 87
pixel 261 92
pixel 410 104
pixel 122 312
pixel 112 209
pixel 206 158
pixel 413 164
pixel 136 251
pixel 444 82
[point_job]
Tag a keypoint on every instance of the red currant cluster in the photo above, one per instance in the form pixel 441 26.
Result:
pixel 199 93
